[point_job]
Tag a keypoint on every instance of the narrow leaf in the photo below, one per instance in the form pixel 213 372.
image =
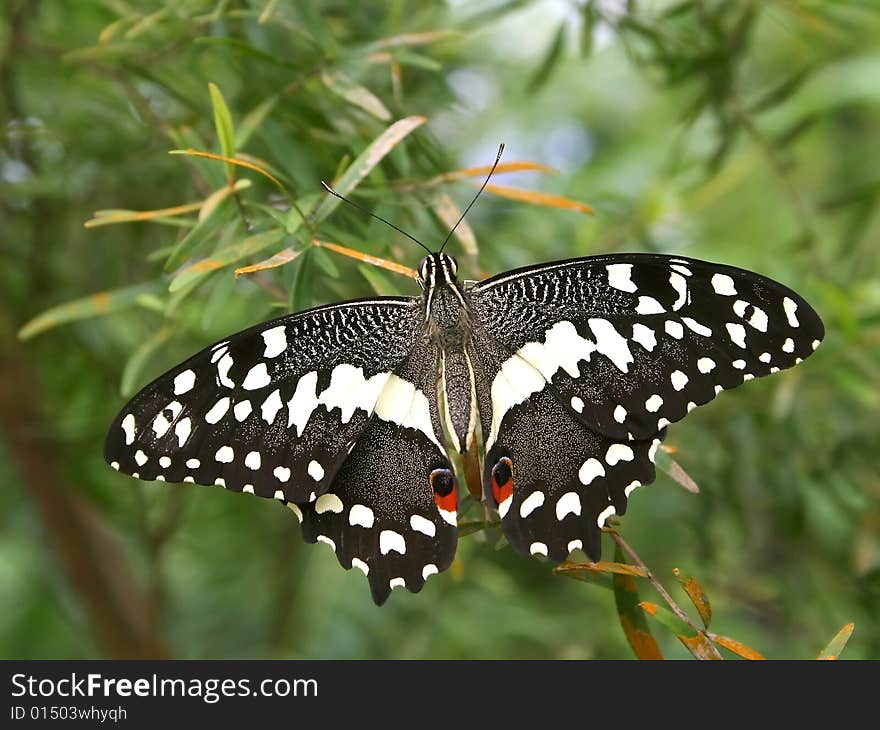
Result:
pixel 366 161
pixel 284 256
pixel 413 39
pixel 366 258
pixel 131 373
pixel 665 463
pixel 252 120
pixel 697 595
pixel 231 161
pixel 551 59
pixel 355 94
pixel 632 619
pixel 483 170
pixel 535 198
pixel 737 647
pixel 448 212
pixel 225 256
pixel 223 125
pixel 95 305
pixel 603 566
pixel 381 284
pixel 696 642
pixel 837 644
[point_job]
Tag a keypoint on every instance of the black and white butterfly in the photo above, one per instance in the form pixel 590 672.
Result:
pixel 572 369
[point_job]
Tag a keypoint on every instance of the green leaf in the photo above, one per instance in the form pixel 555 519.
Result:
pixel 94 305
pixel 837 644
pixel 381 284
pixel 696 642
pixel 252 120
pixel 325 261
pixel 665 463
pixel 134 367
pixel 366 161
pixel 301 289
pixel 223 125
pixel 551 59
pixel 632 619
pixel 226 256
pixel 355 94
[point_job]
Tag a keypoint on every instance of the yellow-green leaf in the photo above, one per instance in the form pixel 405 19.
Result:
pixel 696 642
pixel 366 161
pixel 737 647
pixel 355 94
pixel 131 373
pixel 285 256
pixel 94 305
pixel 837 644
pixel 226 256
pixel 223 125
pixel 666 463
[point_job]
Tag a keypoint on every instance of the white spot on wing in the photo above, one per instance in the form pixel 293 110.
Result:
pixel 590 469
pixel 296 510
pixel 631 487
pixel 790 307
pixel 396 583
pixel 604 515
pixel 759 320
pixel 402 403
pixel 575 545
pixel 361 515
pixel 620 414
pixel 531 503
pixel 679 283
pixel 649 305
pixel 705 365
pixel 504 507
pixel 282 473
pixel 182 430
pixel 218 410
pixel 678 380
pixel 327 541
pixel 242 410
pixel 737 333
pixel 164 462
pixel 420 524
pixel 276 341
pixel 652 405
pixel 223 366
pixel 695 326
pixel 271 406
pixel 257 377
pixel 765 357
pixel 562 348
pixel 390 540
pixel 193 463
pixel 128 427
pixel 328 503
pixel 673 329
pixel 577 404
pixel 184 382
pixel 617 453
pixel 568 503
pixel 619 277
pixel 538 548
pixel 611 343
pixel 788 345
pixel 140 457
pixel 349 390
pixel 303 403
pixel 723 285
pixel 253 460
pixel 645 336
pixel 429 570
pixel 315 470
pixel 224 454
pixel 360 565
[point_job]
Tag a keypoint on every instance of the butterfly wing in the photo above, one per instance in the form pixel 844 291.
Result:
pixel 619 346
pixel 391 511
pixel 272 410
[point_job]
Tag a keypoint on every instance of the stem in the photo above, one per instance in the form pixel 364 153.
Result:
pixel 664 594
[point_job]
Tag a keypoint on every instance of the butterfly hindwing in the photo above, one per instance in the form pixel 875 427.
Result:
pixel 272 410
pixel 391 510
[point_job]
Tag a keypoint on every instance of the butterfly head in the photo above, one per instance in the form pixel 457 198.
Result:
pixel 437 269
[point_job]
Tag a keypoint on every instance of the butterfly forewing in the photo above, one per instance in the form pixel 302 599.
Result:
pixel 615 348
pixel 272 410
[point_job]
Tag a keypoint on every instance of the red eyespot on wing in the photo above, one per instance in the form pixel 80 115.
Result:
pixel 445 491
pixel 502 480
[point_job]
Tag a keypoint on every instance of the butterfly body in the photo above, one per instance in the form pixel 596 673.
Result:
pixel 573 370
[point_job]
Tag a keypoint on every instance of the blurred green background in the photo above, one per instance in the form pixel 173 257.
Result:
pixel 742 132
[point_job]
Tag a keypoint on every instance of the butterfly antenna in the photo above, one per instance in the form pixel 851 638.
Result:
pixel 373 215
pixel 482 187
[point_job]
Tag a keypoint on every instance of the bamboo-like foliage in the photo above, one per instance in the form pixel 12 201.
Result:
pixel 734 131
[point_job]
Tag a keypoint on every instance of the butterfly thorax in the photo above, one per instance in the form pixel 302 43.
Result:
pixel 447 322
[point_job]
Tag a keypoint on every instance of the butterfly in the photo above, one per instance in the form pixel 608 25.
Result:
pixel 570 370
